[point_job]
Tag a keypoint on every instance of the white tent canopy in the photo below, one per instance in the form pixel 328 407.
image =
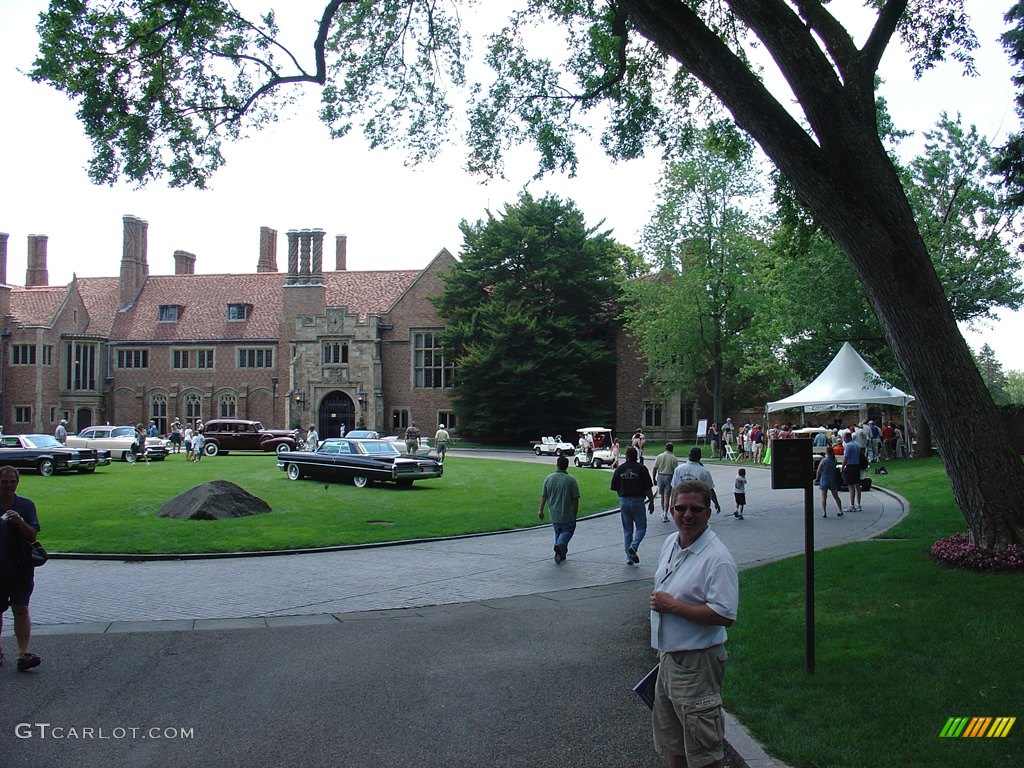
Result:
pixel 846 384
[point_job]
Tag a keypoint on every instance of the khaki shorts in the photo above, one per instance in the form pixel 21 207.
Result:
pixel 687 715
pixel 664 484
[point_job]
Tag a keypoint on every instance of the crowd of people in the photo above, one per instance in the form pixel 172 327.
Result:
pixel 749 442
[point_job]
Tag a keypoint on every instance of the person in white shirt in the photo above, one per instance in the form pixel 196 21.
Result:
pixel 312 438
pixel 695 597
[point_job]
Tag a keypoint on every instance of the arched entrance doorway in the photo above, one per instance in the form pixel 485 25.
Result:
pixel 336 414
pixel 83 419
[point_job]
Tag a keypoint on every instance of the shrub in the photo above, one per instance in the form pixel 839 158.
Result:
pixel 958 552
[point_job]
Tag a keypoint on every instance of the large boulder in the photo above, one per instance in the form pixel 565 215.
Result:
pixel 216 500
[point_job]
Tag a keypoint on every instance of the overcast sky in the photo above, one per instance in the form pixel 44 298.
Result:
pixel 293 176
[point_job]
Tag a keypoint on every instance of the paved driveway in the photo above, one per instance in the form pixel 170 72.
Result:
pixel 98 594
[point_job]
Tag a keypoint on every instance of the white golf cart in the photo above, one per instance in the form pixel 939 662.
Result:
pixel 554 446
pixel 594 448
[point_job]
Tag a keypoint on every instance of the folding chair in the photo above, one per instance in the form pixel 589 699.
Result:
pixel 730 454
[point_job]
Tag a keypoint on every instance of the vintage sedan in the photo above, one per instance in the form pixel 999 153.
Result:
pixel 120 442
pixel 224 435
pixel 361 461
pixel 45 454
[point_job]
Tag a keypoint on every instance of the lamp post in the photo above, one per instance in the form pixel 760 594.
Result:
pixel 300 398
pixel 361 397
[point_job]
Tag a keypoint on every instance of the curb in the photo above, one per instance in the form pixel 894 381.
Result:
pixel 742 750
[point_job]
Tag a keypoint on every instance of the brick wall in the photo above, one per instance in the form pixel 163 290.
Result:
pixel 413 312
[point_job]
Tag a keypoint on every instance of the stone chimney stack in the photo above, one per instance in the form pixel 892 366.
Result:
pixel 36 273
pixel 340 252
pixel 134 264
pixel 3 257
pixel 184 263
pixel 268 250
pixel 316 268
pixel 293 257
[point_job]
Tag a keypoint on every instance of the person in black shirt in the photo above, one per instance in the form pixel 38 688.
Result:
pixel 633 483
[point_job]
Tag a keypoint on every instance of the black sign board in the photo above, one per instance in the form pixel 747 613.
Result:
pixel 792 465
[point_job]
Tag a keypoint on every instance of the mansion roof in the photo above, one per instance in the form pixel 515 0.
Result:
pixel 203 303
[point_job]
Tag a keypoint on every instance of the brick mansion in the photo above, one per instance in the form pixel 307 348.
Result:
pixel 337 348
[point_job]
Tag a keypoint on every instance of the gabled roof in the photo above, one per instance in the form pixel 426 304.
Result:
pixel 366 292
pixel 100 296
pixel 847 383
pixel 204 300
pixel 37 305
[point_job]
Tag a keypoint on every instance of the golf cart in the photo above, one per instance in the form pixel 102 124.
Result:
pixel 554 446
pixel 594 447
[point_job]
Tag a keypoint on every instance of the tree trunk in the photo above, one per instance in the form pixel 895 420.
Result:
pixel 844 175
pixel 870 218
pixel 923 444
pixel 716 392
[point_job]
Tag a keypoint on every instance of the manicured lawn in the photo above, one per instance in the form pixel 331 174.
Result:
pixel 901 643
pixel 115 509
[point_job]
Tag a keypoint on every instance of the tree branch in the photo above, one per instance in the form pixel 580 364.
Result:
pixel 682 34
pixel 881 35
pixel 837 40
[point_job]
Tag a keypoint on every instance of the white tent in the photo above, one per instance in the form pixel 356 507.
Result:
pixel 846 384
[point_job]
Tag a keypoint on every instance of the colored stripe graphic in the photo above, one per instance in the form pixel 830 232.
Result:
pixel 977 727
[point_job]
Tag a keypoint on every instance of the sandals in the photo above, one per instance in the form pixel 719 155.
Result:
pixel 28 661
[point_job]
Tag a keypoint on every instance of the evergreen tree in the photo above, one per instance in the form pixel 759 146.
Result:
pixel 528 313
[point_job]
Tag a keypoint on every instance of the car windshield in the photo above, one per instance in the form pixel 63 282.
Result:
pixel 379 448
pixel 42 441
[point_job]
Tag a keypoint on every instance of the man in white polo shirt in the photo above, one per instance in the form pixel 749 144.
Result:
pixel 692 469
pixel 695 597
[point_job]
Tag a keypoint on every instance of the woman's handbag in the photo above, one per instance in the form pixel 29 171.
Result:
pixel 39 554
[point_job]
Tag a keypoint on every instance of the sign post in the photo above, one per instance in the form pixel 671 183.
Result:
pixel 793 467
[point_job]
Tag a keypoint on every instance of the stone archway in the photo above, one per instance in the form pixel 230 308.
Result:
pixel 335 413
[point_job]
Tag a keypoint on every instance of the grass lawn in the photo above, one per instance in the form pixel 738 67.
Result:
pixel 115 509
pixel 901 645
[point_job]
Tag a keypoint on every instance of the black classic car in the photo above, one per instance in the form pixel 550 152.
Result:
pixel 45 454
pixel 223 435
pixel 361 461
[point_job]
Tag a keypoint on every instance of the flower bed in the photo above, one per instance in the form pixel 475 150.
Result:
pixel 958 552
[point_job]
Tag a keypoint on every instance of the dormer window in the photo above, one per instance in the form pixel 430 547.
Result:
pixel 239 311
pixel 169 313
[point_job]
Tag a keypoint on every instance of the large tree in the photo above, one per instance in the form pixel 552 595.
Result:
pixel 693 317
pixel 528 312
pixel 160 82
pixel 969 225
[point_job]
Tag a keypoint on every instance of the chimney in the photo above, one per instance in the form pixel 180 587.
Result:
pixel 293 257
pixel 340 252
pixel 134 267
pixel 184 263
pixel 316 268
pixel 3 258
pixel 305 252
pixel 36 273
pixel 268 250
